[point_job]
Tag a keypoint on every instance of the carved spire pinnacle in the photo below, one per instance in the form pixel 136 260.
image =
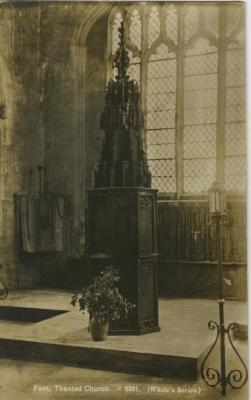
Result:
pixel 121 59
pixel 123 161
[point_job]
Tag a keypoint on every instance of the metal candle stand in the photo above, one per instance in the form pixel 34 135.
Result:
pixel 211 376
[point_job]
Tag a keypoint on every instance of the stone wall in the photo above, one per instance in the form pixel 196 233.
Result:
pixel 7 147
pixel 22 141
pixel 43 57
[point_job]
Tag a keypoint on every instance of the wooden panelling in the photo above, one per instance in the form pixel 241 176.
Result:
pixel 127 219
pixel 186 233
pixel 200 280
pixel 187 246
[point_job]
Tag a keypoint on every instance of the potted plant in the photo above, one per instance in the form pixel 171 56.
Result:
pixel 103 301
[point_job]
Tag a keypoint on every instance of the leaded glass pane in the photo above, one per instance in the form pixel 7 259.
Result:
pixel 200 82
pixel 165 168
pixel 201 64
pixel 235 96
pixel 202 47
pixel 161 101
pixel 235 179
pixel 162 174
pixel 171 22
pixel 162 85
pixel 235 67
pixel 161 105
pixel 235 140
pixel 200 114
pixel 134 67
pixel 211 15
pixel 204 149
pixel 234 13
pixel 160 70
pixel 161 119
pixel 235 133
pixel 191 22
pixel 134 72
pixel 161 137
pixel 199 157
pixel 161 151
pixel 235 113
pixel 135 29
pixel 200 98
pixel 153 25
pixel 198 174
pixel 200 133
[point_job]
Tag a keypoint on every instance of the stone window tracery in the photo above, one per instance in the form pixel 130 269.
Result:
pixel 189 62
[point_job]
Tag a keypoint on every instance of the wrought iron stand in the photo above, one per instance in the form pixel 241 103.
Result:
pixel 211 376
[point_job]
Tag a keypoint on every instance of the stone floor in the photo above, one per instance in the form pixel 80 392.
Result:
pixel 184 333
pixel 182 321
pixel 40 381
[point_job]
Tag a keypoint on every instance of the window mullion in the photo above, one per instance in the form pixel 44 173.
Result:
pixel 221 98
pixel 180 101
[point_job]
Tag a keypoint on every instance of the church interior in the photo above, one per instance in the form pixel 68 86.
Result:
pixel 187 60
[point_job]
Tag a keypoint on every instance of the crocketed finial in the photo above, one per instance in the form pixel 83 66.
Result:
pixel 121 59
pixel 123 161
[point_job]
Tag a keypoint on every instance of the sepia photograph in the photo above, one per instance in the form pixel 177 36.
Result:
pixel 123 200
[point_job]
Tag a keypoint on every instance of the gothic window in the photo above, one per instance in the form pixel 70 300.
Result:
pixel 235 154
pixel 189 62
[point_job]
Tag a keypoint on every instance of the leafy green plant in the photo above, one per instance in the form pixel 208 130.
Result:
pixel 101 299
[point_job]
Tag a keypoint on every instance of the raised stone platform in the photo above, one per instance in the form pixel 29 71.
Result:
pixel 176 351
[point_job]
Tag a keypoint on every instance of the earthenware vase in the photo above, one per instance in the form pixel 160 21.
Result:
pixel 99 331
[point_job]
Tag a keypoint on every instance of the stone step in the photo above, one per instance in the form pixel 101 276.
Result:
pixel 103 359
pixel 176 351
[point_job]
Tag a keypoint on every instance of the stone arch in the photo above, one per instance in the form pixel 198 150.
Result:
pixel 79 39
